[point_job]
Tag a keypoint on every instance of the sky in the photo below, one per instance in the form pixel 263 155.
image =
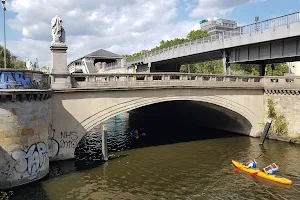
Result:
pixel 120 26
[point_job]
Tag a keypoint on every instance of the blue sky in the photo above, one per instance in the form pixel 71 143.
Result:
pixel 97 24
pixel 245 14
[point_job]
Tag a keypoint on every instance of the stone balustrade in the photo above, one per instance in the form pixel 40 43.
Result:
pixel 146 80
pixel 141 80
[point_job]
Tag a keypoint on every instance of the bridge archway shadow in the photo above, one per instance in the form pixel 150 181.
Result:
pixel 184 121
pixel 161 124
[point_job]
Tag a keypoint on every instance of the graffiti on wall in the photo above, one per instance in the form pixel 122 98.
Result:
pixel 13 80
pixel 37 79
pixel 32 160
pixel 53 145
pixel 68 139
pixel 18 80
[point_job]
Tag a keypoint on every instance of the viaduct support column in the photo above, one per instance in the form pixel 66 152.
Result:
pixel 149 67
pixel 262 69
pixel 226 65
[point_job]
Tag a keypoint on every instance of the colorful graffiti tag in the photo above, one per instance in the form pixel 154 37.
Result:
pixel 13 80
pixel 20 80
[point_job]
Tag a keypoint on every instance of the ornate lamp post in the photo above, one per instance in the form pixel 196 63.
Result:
pixel 4 9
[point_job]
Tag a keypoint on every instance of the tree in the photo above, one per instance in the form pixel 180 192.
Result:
pixel 209 67
pixel 280 69
pixel 198 34
pixel 245 69
pixel 10 62
pixel 193 35
pixel 8 58
pixel 19 64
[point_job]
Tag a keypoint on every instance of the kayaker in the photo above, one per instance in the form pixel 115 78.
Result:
pixel 251 164
pixel 271 169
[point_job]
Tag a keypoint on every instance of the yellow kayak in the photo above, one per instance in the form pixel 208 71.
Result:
pixel 259 173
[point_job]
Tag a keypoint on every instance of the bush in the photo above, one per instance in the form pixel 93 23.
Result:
pixel 279 125
pixel 3 196
pixel 271 109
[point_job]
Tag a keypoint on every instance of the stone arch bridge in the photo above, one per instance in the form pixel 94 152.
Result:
pixel 237 100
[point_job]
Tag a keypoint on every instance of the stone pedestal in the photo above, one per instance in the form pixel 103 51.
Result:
pixel 60 74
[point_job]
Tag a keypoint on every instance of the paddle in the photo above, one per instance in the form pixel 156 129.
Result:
pixel 257 157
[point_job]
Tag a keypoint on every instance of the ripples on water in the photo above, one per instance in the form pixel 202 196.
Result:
pixel 199 169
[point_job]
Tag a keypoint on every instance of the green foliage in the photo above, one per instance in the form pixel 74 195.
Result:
pixel 279 125
pixel 193 35
pixel 8 58
pixel 198 34
pixel 19 64
pixel 245 69
pixel 271 109
pixel 210 67
pixel 280 69
pixel 10 61
pixel 4 195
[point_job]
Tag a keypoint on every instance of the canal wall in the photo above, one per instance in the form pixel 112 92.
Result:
pixel 25 125
pixel 286 105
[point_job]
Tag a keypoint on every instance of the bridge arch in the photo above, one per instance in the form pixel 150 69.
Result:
pixel 244 106
pixel 222 104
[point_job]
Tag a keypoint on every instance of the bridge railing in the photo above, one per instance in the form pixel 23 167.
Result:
pixel 285 20
pixel 282 82
pixel 162 79
pixel 137 80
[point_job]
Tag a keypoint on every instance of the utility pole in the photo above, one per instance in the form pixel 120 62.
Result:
pixel 4 9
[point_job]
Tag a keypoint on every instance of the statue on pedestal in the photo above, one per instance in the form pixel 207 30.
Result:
pixel 29 65
pixel 58 32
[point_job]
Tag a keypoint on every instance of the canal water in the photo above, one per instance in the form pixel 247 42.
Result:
pixel 170 161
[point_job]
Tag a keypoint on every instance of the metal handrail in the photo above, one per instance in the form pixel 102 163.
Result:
pixel 247 29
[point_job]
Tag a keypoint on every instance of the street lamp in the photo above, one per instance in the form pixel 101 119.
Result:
pixel 4 9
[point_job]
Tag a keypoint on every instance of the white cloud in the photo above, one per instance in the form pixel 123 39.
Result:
pixel 211 8
pixel 124 26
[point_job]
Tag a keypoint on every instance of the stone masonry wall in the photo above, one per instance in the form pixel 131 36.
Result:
pixel 24 144
pixel 289 106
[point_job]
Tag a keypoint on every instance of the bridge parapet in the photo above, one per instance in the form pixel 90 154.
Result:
pixel 112 81
pixel 161 80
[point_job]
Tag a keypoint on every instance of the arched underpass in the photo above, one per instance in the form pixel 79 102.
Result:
pixel 181 121
pixel 164 123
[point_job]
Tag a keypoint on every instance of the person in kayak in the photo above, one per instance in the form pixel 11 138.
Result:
pixel 271 169
pixel 251 164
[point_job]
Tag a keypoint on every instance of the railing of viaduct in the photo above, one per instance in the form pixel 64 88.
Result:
pixel 247 30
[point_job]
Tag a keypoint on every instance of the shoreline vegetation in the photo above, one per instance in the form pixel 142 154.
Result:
pixel 279 128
